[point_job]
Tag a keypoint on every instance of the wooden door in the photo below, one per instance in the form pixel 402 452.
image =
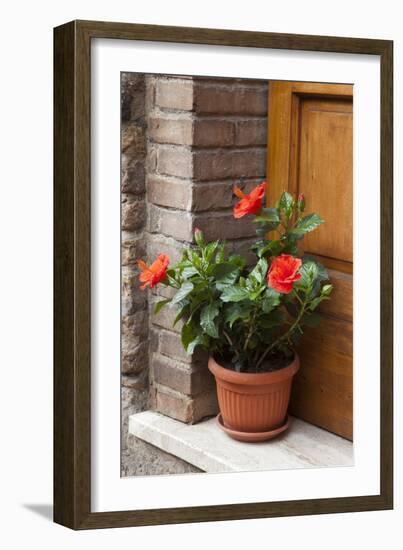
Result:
pixel 310 151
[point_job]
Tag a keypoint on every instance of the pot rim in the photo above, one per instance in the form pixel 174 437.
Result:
pixel 253 378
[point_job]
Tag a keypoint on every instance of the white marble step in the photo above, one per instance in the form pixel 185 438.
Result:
pixel 207 447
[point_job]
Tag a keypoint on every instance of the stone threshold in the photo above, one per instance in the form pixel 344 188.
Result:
pixel 208 448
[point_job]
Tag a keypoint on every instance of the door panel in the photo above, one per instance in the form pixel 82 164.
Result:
pixel 310 150
pixel 325 179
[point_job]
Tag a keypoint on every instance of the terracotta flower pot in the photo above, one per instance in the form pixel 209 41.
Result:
pixel 253 407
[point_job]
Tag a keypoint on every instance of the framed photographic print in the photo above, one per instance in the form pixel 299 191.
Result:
pixel 223 275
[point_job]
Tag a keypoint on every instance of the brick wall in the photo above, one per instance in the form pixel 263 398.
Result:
pixel 203 136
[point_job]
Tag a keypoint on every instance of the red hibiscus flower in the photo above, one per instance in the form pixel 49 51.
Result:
pixel 155 273
pixel 283 273
pixel 249 204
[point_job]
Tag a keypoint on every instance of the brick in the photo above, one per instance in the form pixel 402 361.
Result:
pixel 184 378
pixel 205 405
pixel 217 194
pixel 133 212
pixel 165 318
pixel 133 248
pixel 210 165
pixel 213 132
pixel 169 343
pixel 162 291
pixel 242 247
pixel 251 132
pixel 151 159
pixel 158 244
pixel 174 94
pixel 230 100
pixel 173 223
pixel 169 192
pixel 150 84
pixel 224 226
pixel 174 161
pixel 135 360
pixel 170 130
pixel 185 408
pixel 174 404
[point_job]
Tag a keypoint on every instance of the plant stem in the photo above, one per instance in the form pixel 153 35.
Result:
pixel 231 343
pixel 250 331
pixel 287 334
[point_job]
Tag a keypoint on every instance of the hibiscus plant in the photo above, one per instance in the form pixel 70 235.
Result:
pixel 251 317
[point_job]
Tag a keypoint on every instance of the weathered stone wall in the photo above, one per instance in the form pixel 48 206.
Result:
pixel 185 142
pixel 134 329
pixel 204 135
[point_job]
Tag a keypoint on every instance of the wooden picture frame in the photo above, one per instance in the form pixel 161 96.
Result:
pixel 72 270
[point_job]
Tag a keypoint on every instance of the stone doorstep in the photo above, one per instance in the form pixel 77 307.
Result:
pixel 208 448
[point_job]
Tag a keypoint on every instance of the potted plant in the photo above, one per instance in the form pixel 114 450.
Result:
pixel 249 318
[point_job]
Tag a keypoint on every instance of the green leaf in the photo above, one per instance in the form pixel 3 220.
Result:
pixel 237 260
pixel 259 272
pixel 196 260
pixel 188 334
pixel 307 224
pixel 184 291
pixel 188 272
pixel 270 215
pixel 220 254
pixel 207 316
pixel 254 295
pixel 190 338
pixel 286 203
pixel 322 271
pixel 237 312
pixel 290 248
pixel 210 249
pixel 181 313
pixel 159 305
pixel 326 290
pixel 221 271
pixel 273 247
pixel 271 300
pixel 324 295
pixel 196 342
pixel 225 274
pixel 309 272
pixel 234 294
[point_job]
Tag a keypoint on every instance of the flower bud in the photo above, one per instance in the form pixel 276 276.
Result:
pixel 301 202
pixel 199 237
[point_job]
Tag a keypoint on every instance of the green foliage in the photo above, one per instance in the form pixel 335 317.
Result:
pixel 306 224
pixel 207 319
pixel 183 291
pixel 228 307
